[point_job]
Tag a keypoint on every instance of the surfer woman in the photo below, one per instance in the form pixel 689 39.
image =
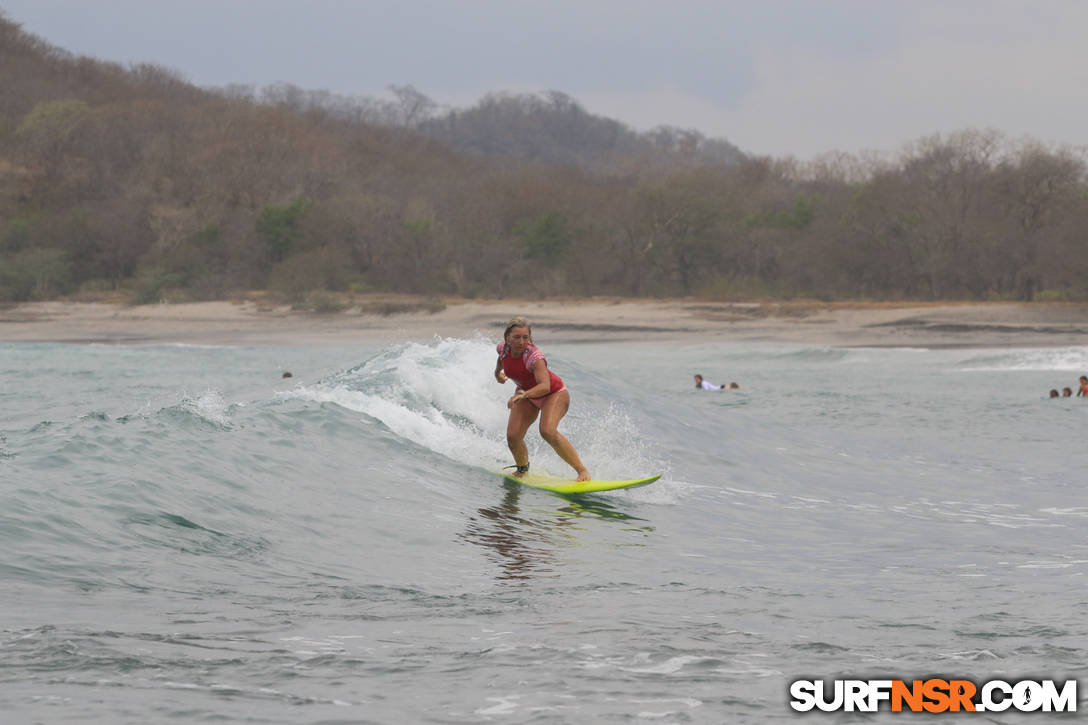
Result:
pixel 540 391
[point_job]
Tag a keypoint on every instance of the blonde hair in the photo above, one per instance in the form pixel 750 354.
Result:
pixel 517 322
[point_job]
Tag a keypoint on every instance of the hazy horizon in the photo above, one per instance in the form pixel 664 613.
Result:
pixel 784 78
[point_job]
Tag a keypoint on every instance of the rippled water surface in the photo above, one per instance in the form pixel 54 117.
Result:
pixel 185 536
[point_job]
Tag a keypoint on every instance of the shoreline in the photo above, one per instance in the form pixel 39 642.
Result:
pixel 378 319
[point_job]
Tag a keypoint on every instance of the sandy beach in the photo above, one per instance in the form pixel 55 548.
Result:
pixel 255 322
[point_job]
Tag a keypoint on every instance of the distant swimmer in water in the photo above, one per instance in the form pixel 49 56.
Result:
pixel 539 392
pixel 1083 391
pixel 287 375
pixel 1054 394
pixel 1067 392
pixel 701 384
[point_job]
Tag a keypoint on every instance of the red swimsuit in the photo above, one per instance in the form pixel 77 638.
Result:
pixel 520 369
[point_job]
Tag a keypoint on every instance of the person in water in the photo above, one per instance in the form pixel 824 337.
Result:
pixel 1067 392
pixel 701 384
pixel 1083 390
pixel 539 392
pixel 1054 393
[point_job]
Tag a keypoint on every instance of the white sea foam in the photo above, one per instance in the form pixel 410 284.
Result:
pixel 443 396
pixel 1068 359
pixel 210 406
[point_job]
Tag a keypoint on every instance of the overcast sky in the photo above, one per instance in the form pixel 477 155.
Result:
pixel 774 77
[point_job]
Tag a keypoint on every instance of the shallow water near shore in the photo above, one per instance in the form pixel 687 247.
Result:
pixel 188 537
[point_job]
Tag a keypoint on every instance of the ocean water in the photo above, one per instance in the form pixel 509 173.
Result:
pixel 187 537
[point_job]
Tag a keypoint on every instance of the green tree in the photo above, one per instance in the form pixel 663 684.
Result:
pixel 37 274
pixel 279 227
pixel 545 238
pixel 16 236
pixel 47 129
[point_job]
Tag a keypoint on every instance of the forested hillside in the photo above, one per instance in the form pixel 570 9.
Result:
pixel 131 179
pixel 549 127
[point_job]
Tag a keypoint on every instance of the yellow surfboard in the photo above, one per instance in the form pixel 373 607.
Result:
pixel 555 484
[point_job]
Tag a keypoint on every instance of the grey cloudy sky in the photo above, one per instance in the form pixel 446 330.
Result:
pixel 774 77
